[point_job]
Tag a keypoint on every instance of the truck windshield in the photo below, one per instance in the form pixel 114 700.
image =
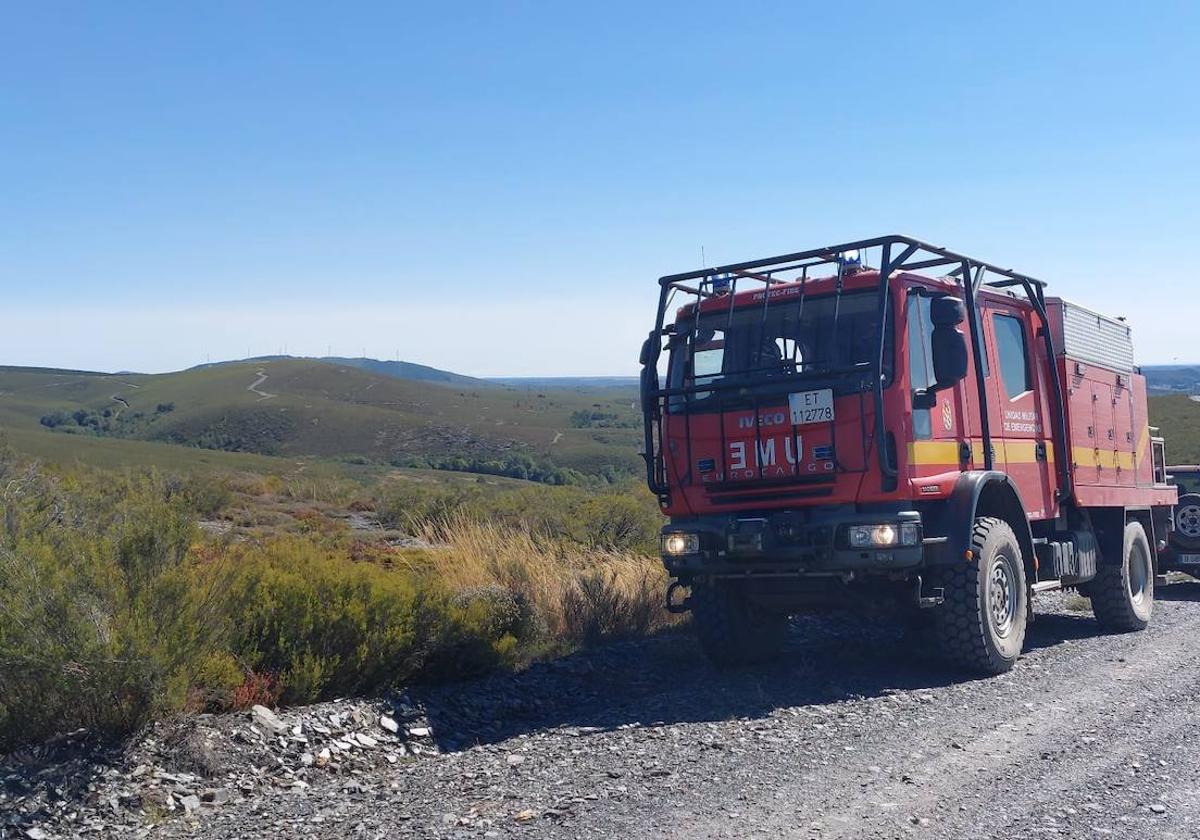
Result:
pixel 799 339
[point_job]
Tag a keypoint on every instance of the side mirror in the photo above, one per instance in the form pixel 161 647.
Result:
pixel 949 348
pixel 649 378
pixel 647 350
pixel 947 312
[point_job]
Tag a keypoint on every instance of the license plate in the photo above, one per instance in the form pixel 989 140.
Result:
pixel 1188 559
pixel 811 406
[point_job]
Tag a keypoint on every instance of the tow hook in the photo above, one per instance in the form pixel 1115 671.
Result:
pixel 924 601
pixel 674 607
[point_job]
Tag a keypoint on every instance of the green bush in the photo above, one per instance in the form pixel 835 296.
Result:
pixel 101 620
pixel 114 608
pixel 624 520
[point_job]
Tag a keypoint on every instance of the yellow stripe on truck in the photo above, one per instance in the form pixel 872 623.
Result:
pixel 924 453
pixel 942 452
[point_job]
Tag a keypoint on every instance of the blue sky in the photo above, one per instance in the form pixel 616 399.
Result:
pixel 493 187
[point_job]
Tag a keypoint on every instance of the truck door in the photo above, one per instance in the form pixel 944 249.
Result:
pixel 938 434
pixel 995 392
pixel 1020 389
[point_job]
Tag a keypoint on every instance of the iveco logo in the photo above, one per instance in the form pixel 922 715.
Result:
pixel 777 418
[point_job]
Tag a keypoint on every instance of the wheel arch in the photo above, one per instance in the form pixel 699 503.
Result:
pixel 1108 524
pixel 981 493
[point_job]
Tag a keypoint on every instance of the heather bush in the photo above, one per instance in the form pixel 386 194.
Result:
pixel 101 621
pixel 115 608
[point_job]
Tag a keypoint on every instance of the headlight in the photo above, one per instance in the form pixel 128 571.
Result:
pixel 679 544
pixel 884 535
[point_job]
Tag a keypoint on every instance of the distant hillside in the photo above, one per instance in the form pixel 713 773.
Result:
pixel 1178 418
pixel 425 373
pixel 1167 379
pixel 298 407
pixel 396 370
pixel 406 370
pixel 567 381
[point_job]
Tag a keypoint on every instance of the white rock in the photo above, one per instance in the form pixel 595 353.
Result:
pixel 389 724
pixel 514 760
pixel 267 719
pixel 365 740
pixel 419 732
pixel 190 803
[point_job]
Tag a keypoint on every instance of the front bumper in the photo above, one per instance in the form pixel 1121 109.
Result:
pixel 790 543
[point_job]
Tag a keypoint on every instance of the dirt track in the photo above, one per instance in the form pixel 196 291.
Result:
pixel 849 736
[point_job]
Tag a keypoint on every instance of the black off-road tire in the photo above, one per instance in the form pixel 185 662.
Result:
pixel 1187 523
pixel 1123 594
pixel 732 628
pixel 981 624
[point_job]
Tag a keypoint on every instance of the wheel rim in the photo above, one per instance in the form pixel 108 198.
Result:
pixel 1002 596
pixel 1139 574
pixel 1187 521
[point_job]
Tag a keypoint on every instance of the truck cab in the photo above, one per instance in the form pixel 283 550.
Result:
pixel 886 420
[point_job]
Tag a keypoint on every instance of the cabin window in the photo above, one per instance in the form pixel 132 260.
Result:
pixel 1013 353
pixel 920 359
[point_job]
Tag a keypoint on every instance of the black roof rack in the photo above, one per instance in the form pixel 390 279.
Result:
pixel 915 256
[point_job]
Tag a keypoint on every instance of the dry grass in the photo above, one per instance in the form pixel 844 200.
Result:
pixel 577 595
pixel 1074 602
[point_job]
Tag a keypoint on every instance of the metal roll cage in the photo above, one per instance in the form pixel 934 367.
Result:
pixel 910 255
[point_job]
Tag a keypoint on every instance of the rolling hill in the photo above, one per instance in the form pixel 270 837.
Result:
pixel 297 407
pixel 1172 379
pixel 395 369
pixel 1178 418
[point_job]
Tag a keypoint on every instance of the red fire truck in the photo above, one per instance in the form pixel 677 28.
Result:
pixel 887 421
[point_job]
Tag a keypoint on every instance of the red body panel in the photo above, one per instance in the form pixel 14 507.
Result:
pixel 1110 438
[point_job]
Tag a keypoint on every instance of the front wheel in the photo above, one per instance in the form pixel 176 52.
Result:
pixel 981 624
pixel 1123 594
pixel 733 629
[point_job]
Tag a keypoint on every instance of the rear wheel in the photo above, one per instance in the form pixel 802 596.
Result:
pixel 1123 594
pixel 981 624
pixel 733 629
pixel 1187 522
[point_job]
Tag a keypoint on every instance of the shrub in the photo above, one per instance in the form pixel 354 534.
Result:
pixel 206 495
pixel 113 609
pixel 574 595
pixel 617 521
pixel 330 627
pixel 102 623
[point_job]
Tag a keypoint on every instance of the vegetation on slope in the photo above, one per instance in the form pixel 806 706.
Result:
pixel 306 408
pixel 1178 418
pixel 116 607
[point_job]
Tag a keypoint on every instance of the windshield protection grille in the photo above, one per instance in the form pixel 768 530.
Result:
pixel 777 279
pixel 830 337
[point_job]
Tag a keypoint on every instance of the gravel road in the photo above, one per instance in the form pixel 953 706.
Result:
pixel 851 734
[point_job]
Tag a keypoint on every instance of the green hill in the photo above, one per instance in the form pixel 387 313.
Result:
pixel 1178 417
pixel 309 408
pixel 395 369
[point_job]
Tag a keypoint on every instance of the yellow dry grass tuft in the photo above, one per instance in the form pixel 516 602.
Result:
pixel 577 594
